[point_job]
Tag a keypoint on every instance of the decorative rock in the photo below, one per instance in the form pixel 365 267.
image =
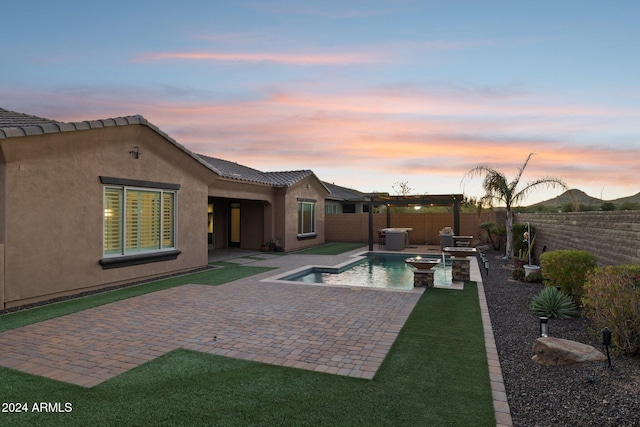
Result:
pixel 556 351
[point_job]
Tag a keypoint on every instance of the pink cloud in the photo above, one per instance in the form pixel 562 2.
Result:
pixel 281 58
pixel 423 137
pixel 318 131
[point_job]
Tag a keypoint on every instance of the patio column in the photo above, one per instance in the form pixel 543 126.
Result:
pixel 456 217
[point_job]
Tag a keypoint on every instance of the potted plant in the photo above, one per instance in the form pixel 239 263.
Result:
pixel 524 255
pixel 274 245
pixel 529 267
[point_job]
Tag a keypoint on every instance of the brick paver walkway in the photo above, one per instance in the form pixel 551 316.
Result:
pixel 343 331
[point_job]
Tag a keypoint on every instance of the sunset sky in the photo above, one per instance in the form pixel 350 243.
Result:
pixel 364 93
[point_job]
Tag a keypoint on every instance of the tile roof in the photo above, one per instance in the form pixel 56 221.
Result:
pixel 343 193
pixel 288 177
pixel 13 124
pixel 13 119
pixel 232 170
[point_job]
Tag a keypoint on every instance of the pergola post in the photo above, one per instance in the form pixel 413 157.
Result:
pixel 388 216
pixel 370 225
pixel 456 217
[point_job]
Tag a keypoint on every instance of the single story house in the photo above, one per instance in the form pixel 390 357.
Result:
pixel 345 200
pixel 95 204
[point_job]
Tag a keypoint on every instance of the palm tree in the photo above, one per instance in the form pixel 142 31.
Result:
pixel 500 191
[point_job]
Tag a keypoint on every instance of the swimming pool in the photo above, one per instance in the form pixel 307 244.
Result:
pixel 375 270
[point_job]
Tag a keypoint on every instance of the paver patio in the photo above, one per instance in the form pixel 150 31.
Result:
pixel 344 331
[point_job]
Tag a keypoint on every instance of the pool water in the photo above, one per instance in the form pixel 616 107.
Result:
pixel 376 271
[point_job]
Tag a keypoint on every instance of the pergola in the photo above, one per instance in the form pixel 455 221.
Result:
pixel 428 200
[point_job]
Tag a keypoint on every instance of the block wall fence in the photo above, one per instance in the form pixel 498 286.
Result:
pixel 613 236
pixel 426 226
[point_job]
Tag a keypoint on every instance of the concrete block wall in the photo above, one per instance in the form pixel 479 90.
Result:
pixel 352 227
pixel 613 236
pixel 426 226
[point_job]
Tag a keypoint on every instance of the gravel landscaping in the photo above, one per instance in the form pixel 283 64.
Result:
pixel 590 394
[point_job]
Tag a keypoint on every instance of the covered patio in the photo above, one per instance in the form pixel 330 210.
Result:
pixel 423 200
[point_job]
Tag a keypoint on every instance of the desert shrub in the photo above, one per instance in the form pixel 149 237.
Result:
pixel 550 302
pixel 517 274
pixel 535 277
pixel 567 269
pixel 612 299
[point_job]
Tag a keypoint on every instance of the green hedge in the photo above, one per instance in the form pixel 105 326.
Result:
pixel 612 299
pixel 566 269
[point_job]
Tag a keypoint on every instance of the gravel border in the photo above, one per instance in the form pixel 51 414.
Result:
pixel 590 394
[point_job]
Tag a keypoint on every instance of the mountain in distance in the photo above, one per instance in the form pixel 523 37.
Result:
pixel 584 199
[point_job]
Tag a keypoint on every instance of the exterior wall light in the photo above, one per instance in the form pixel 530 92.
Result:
pixel 135 153
pixel 544 326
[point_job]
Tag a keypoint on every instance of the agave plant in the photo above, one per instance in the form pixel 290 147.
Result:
pixel 550 302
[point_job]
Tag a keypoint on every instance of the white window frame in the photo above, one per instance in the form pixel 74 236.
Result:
pixel 301 231
pixel 124 189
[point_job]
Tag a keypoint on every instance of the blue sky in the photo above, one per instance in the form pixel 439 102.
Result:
pixel 364 93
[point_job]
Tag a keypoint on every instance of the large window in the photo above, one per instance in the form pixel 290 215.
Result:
pixel 138 220
pixel 306 218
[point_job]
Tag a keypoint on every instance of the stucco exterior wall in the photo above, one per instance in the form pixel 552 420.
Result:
pixel 1 275
pixel 309 188
pixel 3 189
pixel 613 236
pixel 54 208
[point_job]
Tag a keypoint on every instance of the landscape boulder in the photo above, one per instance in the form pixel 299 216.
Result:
pixel 557 351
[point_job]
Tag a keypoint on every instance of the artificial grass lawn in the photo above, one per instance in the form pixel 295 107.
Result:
pixel 336 248
pixel 435 374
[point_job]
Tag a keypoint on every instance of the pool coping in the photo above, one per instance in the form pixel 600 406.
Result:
pixel 338 268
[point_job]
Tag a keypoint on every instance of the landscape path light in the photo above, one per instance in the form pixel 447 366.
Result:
pixel 544 326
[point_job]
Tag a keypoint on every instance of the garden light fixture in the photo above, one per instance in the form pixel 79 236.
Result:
pixel 544 326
